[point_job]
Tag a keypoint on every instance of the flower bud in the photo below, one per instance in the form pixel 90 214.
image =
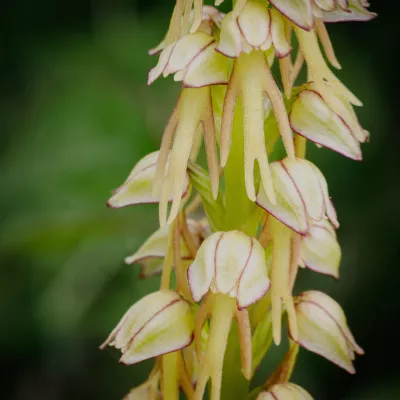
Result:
pixel 320 250
pixel 159 323
pixel 230 263
pixel 285 391
pixel 138 187
pixel 322 329
pixel 302 195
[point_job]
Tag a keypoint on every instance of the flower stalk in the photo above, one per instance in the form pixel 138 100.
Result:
pixel 233 240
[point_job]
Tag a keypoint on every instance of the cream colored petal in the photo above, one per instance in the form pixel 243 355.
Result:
pixel 298 11
pixel 254 282
pixel 289 207
pixel 336 312
pixel 278 35
pixel 169 330
pixel 307 182
pixel 140 313
pixel 254 23
pixel 230 41
pixel 201 272
pixel 185 50
pixel 156 246
pixel 232 253
pixel 320 333
pixel 138 188
pixel 320 250
pixel 355 12
pixel 285 391
pixel 326 5
pixel 312 118
pixel 329 208
pixel 159 69
pixel 208 68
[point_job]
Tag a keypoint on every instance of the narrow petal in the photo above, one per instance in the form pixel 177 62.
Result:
pixel 327 84
pixel 253 120
pixel 211 149
pixel 192 105
pixel 279 39
pixel 243 321
pixel 165 149
pixel 329 208
pixel 227 117
pixel 197 15
pixel 326 43
pixel 156 72
pixel 279 109
pixel 298 11
pixel 312 118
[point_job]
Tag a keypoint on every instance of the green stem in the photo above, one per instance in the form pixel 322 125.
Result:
pixel 237 204
pixel 170 386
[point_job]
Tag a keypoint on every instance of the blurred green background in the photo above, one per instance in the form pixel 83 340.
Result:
pixel 76 115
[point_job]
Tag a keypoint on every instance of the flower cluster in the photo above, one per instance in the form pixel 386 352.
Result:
pixel 231 241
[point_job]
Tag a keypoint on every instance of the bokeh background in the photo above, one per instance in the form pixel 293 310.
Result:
pixel 76 115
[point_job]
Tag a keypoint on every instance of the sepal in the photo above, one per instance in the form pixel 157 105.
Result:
pixel 230 263
pixel 285 391
pixel 322 329
pixel 157 324
pixel 138 187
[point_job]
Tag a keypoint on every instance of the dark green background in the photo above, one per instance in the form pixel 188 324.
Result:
pixel 76 115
